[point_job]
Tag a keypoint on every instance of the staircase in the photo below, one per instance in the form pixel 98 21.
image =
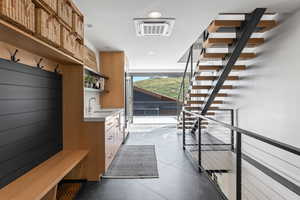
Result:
pixel 215 49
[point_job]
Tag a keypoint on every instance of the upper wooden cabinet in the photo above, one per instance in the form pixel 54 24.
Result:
pixel 112 64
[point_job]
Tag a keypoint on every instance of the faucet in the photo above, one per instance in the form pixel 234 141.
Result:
pixel 90 105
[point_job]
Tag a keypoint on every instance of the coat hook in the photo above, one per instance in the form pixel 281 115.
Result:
pixel 56 69
pixel 13 57
pixel 39 64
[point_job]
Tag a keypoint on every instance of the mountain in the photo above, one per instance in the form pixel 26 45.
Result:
pixel 165 86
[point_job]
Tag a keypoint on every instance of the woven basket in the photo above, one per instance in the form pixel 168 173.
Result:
pixel 78 24
pixel 48 26
pixel 78 50
pixel 51 4
pixel 21 12
pixel 65 11
pixel 67 40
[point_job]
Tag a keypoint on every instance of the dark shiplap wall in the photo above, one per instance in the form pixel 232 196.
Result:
pixel 30 118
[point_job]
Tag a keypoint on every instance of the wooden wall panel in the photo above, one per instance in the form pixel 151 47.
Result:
pixel 112 64
pixel 27 58
pixel 72 106
pixel 94 135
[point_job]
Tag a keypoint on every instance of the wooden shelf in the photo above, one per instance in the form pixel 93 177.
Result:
pixel 96 73
pixel 95 90
pixel 263 25
pixel 17 37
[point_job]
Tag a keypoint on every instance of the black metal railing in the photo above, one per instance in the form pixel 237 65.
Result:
pixel 239 133
pixel 236 134
pixel 185 82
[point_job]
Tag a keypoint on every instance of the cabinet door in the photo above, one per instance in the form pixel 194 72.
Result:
pixel 109 154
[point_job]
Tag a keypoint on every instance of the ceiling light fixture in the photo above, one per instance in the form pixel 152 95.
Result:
pixel 154 14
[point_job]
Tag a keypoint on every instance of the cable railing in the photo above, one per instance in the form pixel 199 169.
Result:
pixel 237 146
pixel 279 176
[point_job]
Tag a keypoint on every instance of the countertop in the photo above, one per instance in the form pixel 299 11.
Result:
pixel 101 115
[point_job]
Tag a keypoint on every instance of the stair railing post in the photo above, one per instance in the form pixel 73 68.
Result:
pixel 239 166
pixel 232 131
pixel 192 49
pixel 199 144
pixel 183 129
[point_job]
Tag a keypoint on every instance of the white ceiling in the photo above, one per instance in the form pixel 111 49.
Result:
pixel 113 27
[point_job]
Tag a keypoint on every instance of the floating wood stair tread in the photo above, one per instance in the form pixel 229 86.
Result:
pixel 217 41
pixel 208 87
pixel 193 122
pixel 194 119
pixel 246 56
pixel 208 113
pixel 36 183
pixel 217 68
pixel 217 25
pixel 206 94
pixel 243 56
pixel 191 118
pixel 201 102
pixel 190 126
pixel 253 42
pixel 211 42
pixel 187 123
pixel 212 78
pixel 198 108
pixel 213 55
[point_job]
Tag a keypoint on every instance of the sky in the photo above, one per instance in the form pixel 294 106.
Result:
pixel 139 78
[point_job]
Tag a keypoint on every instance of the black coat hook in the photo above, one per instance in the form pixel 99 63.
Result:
pixel 13 57
pixel 56 69
pixel 39 64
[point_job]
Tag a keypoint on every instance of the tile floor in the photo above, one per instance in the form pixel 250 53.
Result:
pixel 178 180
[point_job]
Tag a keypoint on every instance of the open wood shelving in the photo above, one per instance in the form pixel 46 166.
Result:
pixel 95 90
pixel 96 73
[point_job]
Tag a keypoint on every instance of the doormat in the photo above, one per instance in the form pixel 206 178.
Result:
pixel 134 162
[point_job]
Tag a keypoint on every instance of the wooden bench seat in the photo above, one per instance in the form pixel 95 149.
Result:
pixel 41 181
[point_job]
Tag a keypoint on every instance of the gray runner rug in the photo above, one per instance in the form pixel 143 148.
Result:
pixel 134 162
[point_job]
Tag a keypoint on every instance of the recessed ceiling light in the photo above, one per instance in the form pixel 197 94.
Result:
pixel 151 53
pixel 154 14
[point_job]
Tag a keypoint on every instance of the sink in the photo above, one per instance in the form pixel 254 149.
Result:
pixel 100 115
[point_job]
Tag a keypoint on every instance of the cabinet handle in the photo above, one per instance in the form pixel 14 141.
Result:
pixel 109 124
pixel 110 137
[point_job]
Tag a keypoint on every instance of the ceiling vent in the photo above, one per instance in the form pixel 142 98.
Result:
pixel 154 27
